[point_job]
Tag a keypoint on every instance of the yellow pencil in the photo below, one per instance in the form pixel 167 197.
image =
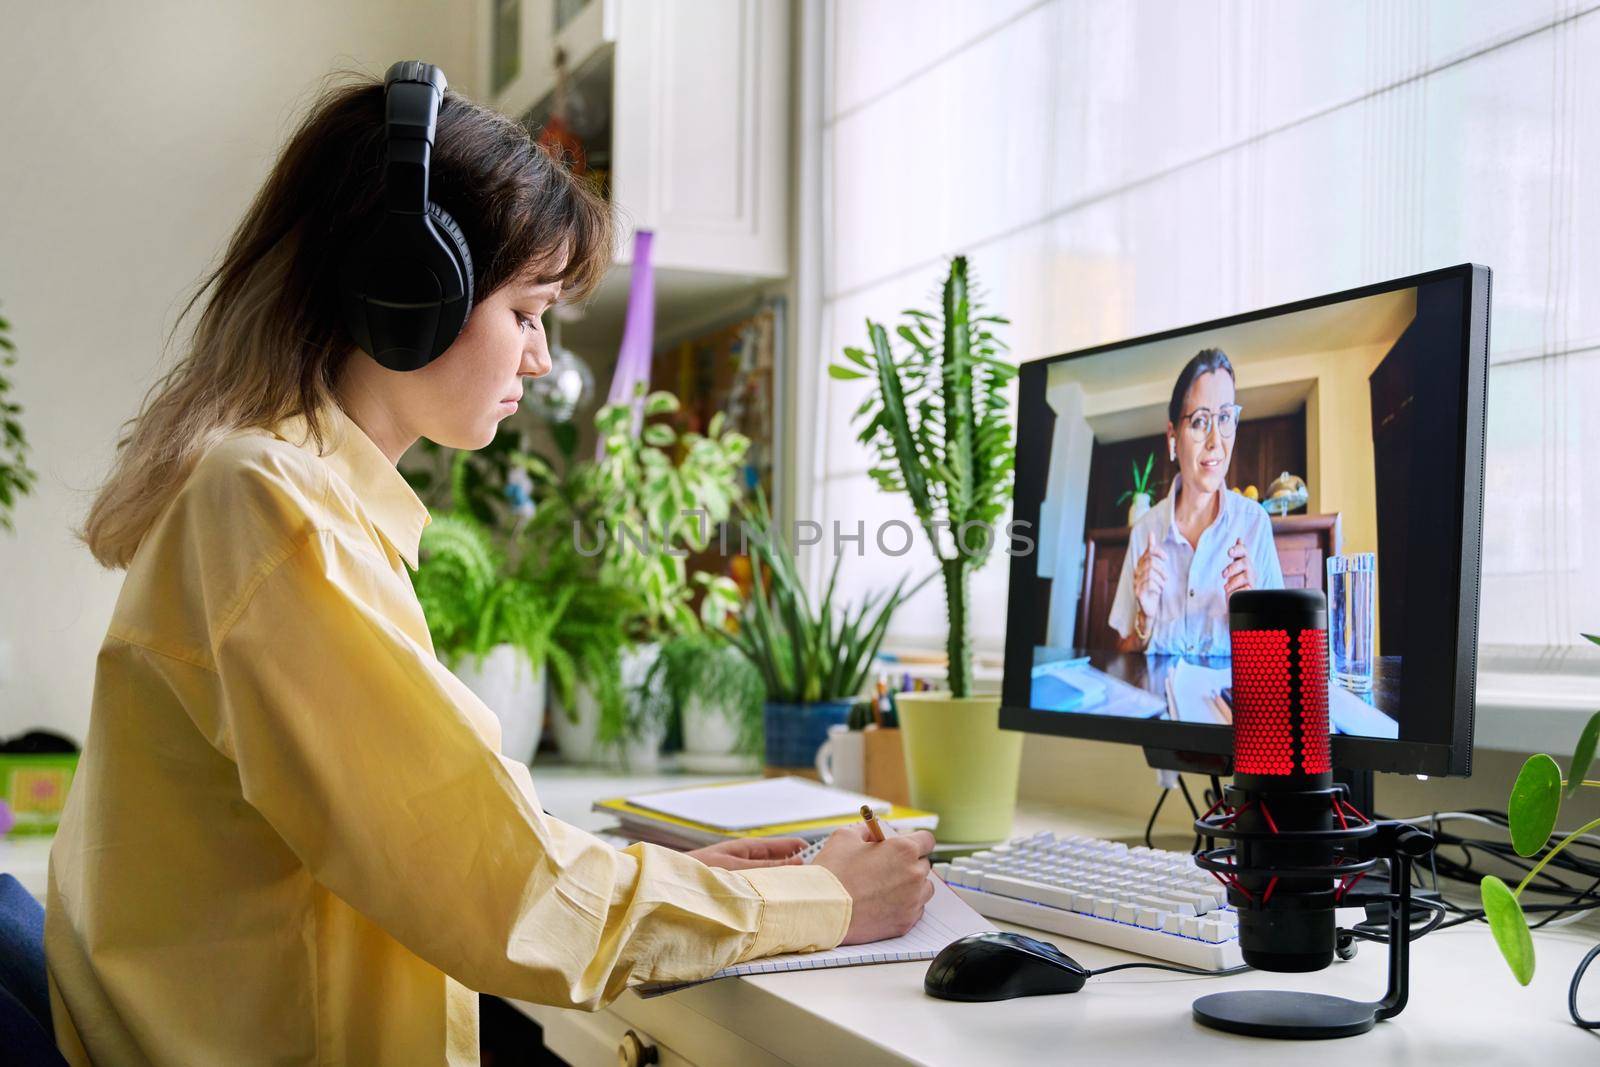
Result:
pixel 872 822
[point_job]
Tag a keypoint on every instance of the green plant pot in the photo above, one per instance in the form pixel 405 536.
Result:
pixel 960 764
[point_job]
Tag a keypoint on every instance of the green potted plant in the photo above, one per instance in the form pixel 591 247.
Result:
pixel 938 419
pixel 16 478
pixel 589 709
pixel 1531 812
pixel 491 625
pixel 1139 496
pixel 813 659
pixel 719 695
pixel 653 495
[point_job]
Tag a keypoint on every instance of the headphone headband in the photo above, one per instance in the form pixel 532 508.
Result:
pixel 412 91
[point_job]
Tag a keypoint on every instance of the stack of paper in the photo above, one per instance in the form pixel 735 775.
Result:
pixel 767 807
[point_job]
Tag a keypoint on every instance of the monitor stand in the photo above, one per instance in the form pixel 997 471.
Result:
pixel 1358 783
pixel 1165 759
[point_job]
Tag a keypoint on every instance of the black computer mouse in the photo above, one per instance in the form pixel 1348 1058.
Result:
pixel 999 966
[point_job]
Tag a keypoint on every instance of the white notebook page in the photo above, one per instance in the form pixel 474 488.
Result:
pixel 947 918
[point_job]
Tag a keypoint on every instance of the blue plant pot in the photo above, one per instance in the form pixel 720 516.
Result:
pixel 796 731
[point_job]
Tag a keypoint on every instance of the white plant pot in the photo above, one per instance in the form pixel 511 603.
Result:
pixel 1139 505
pixel 514 691
pixel 641 751
pixel 710 735
pixel 575 740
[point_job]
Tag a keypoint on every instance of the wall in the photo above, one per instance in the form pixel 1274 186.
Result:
pixel 134 136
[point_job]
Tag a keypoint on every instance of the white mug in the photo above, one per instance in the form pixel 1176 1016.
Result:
pixel 841 761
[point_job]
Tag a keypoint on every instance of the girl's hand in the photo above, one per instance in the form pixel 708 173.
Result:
pixel 887 880
pixel 743 853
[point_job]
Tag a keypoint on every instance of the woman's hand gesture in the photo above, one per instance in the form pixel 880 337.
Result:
pixel 1149 579
pixel 1240 573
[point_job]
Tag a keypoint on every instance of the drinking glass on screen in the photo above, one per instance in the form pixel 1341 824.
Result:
pixel 1352 590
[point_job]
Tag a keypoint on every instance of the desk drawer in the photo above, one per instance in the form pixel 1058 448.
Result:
pixel 680 1035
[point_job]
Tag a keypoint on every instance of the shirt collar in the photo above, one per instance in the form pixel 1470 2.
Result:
pixel 385 495
pixel 1170 502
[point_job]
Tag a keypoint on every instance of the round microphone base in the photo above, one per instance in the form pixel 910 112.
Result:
pixel 1284 1014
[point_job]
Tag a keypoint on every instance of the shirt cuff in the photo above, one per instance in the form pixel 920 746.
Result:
pixel 804 908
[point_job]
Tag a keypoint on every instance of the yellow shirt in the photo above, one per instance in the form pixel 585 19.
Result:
pixel 292 838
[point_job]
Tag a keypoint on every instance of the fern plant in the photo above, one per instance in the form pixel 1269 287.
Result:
pixel 588 639
pixel 471 601
pixel 16 478
pixel 938 420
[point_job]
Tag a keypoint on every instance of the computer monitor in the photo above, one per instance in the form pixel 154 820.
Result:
pixel 1345 428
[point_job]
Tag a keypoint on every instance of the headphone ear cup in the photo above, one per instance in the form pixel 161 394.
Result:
pixel 457 240
pixel 407 289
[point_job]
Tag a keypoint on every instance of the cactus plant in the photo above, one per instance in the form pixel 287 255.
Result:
pixel 938 419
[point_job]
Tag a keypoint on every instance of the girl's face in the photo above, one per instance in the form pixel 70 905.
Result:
pixel 1204 462
pixel 460 399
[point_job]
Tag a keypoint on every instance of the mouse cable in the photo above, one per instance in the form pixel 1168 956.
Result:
pixel 1177 968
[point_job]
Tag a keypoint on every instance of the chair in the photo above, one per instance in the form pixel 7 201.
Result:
pixel 25 1030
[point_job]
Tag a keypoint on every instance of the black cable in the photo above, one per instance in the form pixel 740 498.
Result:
pixel 1584 894
pixel 1175 967
pixel 1151 825
pixel 1363 932
pixel 1216 789
pixel 1572 991
pixel 1188 799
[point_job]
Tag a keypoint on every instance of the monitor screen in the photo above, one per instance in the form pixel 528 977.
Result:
pixel 1333 444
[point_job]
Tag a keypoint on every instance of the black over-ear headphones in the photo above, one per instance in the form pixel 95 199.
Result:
pixel 407 287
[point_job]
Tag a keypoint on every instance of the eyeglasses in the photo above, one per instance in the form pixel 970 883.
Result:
pixel 1200 420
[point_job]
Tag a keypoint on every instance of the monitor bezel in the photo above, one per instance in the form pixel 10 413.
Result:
pixel 1452 757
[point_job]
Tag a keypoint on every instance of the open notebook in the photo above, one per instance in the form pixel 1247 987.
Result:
pixel 947 918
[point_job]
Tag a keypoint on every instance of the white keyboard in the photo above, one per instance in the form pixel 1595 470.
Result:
pixel 1136 899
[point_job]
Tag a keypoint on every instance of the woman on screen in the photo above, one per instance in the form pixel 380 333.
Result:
pixel 1201 543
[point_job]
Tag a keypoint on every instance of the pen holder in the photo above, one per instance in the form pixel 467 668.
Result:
pixel 884 759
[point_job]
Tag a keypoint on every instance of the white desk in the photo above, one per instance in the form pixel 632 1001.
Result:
pixel 1464 1007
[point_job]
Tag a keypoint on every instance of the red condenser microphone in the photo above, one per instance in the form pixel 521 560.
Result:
pixel 1298 845
pixel 1283 779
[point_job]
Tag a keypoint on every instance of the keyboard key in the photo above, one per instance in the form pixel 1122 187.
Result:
pixel 1023 889
pixel 1151 919
pixel 1213 932
pixel 1126 913
pixel 1165 903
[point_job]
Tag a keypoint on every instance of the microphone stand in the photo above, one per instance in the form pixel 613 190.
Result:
pixel 1287 1014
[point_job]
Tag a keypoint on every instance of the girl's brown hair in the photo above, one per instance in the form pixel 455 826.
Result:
pixel 271 340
